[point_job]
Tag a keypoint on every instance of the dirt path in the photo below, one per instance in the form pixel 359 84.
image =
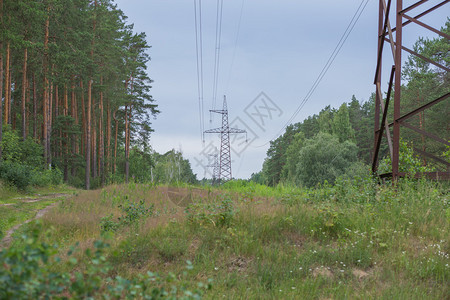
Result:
pixel 6 241
pixel 31 200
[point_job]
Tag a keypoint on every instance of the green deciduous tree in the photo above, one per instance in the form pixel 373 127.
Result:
pixel 292 157
pixel 324 158
pixel 171 167
pixel 341 124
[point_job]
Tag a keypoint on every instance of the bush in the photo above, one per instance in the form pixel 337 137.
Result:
pixel 47 177
pixel 25 274
pixel 32 154
pixel 26 152
pixel 11 150
pixel 134 212
pixel 220 214
pixel 16 174
pixel 21 161
pixel 21 176
pixel 409 162
pixel 76 181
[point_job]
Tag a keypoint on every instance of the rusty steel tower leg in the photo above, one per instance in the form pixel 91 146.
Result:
pixel 378 74
pixel 383 26
pixel 397 89
pixel 385 34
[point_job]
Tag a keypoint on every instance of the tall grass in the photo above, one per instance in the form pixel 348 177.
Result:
pixel 355 239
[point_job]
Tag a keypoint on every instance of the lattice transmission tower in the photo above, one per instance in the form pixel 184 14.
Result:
pixel 216 168
pixel 401 16
pixel 225 148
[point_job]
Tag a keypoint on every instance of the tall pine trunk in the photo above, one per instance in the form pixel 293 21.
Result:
pixel 127 166
pixel 49 126
pixel 58 143
pixel 74 115
pixel 89 107
pixel 1 83
pixel 116 123
pixel 94 142
pixel 88 138
pixel 7 84
pixel 34 108
pixel 46 91
pixel 101 138
pixel 127 143
pixel 24 90
pixel 27 113
pixel 66 136
pixel 12 102
pixel 57 113
pixel 108 138
pixel 1 79
pixel 83 119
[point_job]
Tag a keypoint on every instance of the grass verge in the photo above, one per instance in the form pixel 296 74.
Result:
pixel 350 240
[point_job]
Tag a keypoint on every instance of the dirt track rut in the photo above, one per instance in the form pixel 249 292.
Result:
pixel 6 241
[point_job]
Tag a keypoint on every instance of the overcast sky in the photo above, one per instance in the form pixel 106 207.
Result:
pixel 281 48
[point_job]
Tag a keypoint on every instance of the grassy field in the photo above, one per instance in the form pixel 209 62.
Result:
pixel 351 240
pixel 17 207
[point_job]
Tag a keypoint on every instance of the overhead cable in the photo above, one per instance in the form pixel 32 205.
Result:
pixel 217 51
pixel 326 67
pixel 199 53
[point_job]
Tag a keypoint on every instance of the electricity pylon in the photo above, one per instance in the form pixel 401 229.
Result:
pixel 401 16
pixel 225 149
pixel 216 168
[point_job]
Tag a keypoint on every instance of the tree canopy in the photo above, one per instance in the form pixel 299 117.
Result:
pixel 73 77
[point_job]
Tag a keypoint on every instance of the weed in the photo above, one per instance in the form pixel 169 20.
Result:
pixel 354 239
pixel 25 275
pixel 134 212
pixel 329 220
pixel 218 214
pixel 170 247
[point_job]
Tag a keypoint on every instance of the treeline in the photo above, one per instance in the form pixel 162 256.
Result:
pixel 73 79
pixel 339 142
pixel 168 168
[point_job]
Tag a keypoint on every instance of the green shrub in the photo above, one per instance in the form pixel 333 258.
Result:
pixel 329 220
pixel 26 152
pixel 47 177
pixel 77 181
pixel 134 212
pixel 25 274
pixel 32 154
pixel 409 162
pixel 219 214
pixel 107 224
pixel 16 174
pixel 11 150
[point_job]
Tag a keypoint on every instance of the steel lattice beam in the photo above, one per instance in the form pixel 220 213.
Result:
pixel 384 30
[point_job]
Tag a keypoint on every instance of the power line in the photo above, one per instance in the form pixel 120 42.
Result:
pixel 201 60
pixel 235 44
pixel 326 67
pixel 199 53
pixel 217 51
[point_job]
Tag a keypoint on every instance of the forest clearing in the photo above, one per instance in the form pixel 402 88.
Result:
pixel 341 197
pixel 243 240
